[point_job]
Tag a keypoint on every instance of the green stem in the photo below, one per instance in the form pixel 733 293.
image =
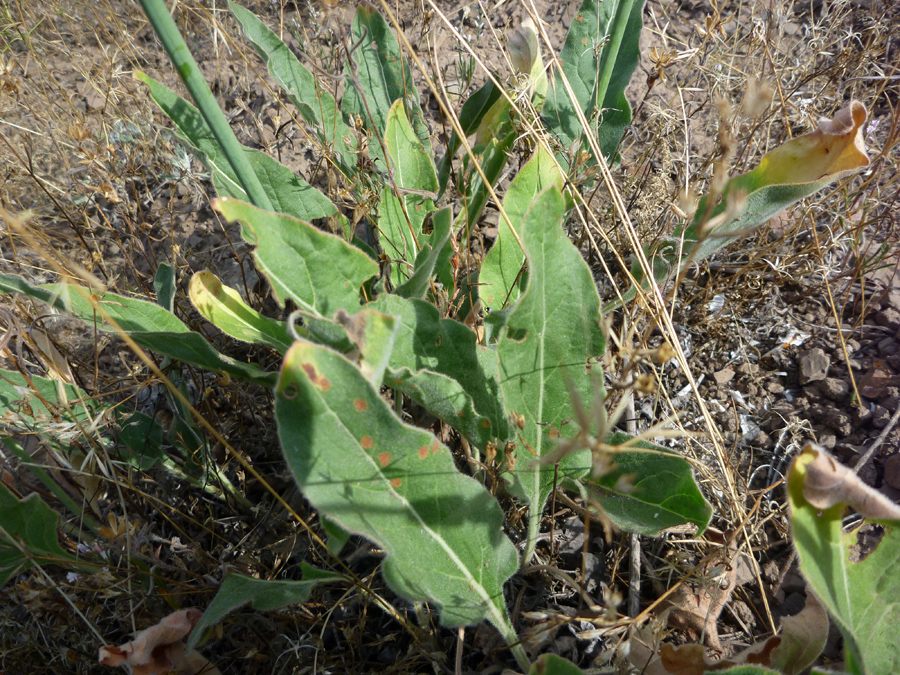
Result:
pixel 187 68
pixel 534 529
pixel 611 50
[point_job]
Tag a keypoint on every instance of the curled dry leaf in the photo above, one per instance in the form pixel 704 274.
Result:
pixel 833 150
pixel 828 483
pixel 696 606
pixel 795 649
pixel 160 649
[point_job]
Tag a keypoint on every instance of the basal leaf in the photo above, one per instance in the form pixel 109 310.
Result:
pixel 501 275
pixel 598 58
pixel 551 664
pixel 400 216
pixel 543 354
pixel 492 159
pixel 314 102
pixel 27 534
pixel 426 342
pixel 148 324
pixel 397 485
pixel 238 590
pixel 648 492
pixel 164 286
pixel 384 77
pixel 288 193
pixel 225 308
pixel 434 257
pixel 857 580
pixel 319 271
pixel 470 117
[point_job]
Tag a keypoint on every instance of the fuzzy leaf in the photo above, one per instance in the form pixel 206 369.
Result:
pixel 319 271
pixel 470 117
pixel 857 581
pixel 501 275
pixel 314 102
pixel 27 534
pixel 647 493
pixel 598 58
pixel 434 257
pixel 238 590
pixel 492 159
pixel 225 308
pixel 397 485
pixel 544 350
pixel 288 193
pixel 164 286
pixel 148 324
pixel 384 76
pixel 551 664
pixel 400 223
pixel 426 342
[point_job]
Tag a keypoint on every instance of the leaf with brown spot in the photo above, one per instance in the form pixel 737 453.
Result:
pixel 440 530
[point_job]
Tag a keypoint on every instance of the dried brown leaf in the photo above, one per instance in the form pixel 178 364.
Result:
pixel 160 649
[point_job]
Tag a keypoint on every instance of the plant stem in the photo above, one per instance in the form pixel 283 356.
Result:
pixel 187 68
pixel 611 50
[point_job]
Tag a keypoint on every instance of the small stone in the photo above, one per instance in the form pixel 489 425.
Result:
pixel 873 383
pixel 775 388
pixel 723 376
pixel 831 417
pixel 813 365
pixel 834 388
pixel 747 369
pixel 880 417
pixel 827 440
pixel 888 346
pixel 860 415
pixel 888 317
pixel 891 299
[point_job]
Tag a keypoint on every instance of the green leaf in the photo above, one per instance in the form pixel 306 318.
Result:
pixel 492 159
pixel 599 56
pixel 470 117
pixel 288 193
pixel 543 354
pixel 426 342
pixel 238 590
pixel 551 664
pixel 164 286
pixel 27 534
pixel 434 256
pixel 26 404
pixel 648 492
pixel 501 274
pixel 148 324
pixel 397 485
pixel 225 308
pixel 858 582
pixel 315 103
pixel 384 77
pixel 319 271
pixel 744 670
pixel 400 217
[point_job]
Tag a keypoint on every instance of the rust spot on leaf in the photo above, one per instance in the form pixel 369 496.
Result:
pixel 579 18
pixel 360 405
pixel 435 446
pixel 486 423
pixel 396 482
pixel 460 413
pixel 554 433
pixel 367 443
pixel 319 380
pixel 384 458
